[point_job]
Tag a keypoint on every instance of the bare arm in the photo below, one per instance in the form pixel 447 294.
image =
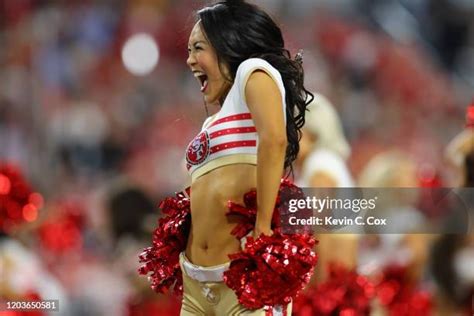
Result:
pixel 264 101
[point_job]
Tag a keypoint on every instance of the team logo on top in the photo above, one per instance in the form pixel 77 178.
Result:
pixel 198 149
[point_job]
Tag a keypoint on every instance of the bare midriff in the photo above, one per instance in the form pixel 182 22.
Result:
pixel 210 240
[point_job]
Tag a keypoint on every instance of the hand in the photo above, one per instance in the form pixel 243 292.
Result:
pixel 258 231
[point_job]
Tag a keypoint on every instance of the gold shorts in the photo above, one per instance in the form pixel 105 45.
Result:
pixel 205 293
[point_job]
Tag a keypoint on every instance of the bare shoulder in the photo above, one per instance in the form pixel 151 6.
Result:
pixel 261 85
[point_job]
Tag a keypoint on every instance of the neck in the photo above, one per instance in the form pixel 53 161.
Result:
pixel 225 92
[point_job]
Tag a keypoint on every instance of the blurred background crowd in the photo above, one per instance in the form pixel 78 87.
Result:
pixel 97 106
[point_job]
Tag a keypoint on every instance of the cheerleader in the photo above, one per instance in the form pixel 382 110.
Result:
pixel 237 54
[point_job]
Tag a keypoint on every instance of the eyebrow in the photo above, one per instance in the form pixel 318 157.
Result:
pixel 197 42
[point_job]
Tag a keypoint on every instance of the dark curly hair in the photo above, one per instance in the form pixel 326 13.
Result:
pixel 469 170
pixel 238 31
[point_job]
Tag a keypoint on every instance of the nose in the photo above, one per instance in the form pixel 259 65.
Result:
pixel 191 60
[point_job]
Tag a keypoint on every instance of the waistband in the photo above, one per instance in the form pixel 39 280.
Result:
pixel 203 274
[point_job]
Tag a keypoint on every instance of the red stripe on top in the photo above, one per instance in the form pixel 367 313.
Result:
pixel 233 130
pixel 236 117
pixel 229 145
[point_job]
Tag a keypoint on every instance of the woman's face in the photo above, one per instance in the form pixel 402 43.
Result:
pixel 203 63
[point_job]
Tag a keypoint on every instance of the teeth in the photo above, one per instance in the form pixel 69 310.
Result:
pixel 198 73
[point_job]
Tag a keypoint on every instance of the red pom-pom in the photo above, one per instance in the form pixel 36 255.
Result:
pixel 165 306
pixel 344 293
pixel 247 213
pixel 470 116
pixel 18 204
pixel 161 260
pixel 399 294
pixel 271 270
pixel 61 233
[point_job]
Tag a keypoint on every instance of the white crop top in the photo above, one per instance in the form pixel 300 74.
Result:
pixel 230 136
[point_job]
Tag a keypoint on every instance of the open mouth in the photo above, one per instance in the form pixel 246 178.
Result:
pixel 202 80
